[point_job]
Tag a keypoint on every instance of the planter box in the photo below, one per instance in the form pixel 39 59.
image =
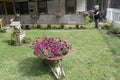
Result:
pixel 18 37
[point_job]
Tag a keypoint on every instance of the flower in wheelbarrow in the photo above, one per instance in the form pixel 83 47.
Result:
pixel 50 47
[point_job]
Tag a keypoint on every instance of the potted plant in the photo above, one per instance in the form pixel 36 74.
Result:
pixel 50 47
pixel 26 40
pixel 52 50
pixel 18 35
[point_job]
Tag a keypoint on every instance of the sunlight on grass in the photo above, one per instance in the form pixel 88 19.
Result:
pixel 91 59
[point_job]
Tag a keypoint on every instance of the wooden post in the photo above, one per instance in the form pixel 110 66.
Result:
pixel 59 5
pixel 58 71
pixel 36 7
pixel 85 5
pixel 85 10
pixel 4 2
pixel 0 23
pixel 108 5
pixel 14 7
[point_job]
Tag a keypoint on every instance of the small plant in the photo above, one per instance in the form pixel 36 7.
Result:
pixel 70 27
pixel 12 41
pixel 77 26
pixel 54 27
pixel 17 36
pixel 27 27
pixel 116 30
pixel 107 26
pixel 49 26
pixel 3 30
pixel 39 27
pixel 89 19
pixel 62 26
pixel 15 31
pixel 82 27
pixel 26 40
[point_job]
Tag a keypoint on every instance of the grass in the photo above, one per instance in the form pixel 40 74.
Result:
pixel 96 56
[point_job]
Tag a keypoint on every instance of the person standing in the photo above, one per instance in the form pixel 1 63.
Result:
pixel 96 16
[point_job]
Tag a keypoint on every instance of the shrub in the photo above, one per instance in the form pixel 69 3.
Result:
pixel 62 26
pixel 70 28
pixel 3 30
pixel 27 27
pixel 77 26
pixel 49 26
pixel 12 41
pixel 26 40
pixel 116 30
pixel 39 27
pixel 15 31
pixel 17 35
pixel 54 27
pixel 107 26
pixel 89 19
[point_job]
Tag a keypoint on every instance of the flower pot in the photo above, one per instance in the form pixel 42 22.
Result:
pixel 18 37
pixel 53 60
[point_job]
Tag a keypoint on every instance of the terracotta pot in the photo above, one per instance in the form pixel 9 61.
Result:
pixel 53 60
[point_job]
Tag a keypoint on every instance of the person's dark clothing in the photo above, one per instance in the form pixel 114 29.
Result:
pixel 96 15
pixel 96 18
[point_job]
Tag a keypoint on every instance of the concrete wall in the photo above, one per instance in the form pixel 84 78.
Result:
pixel 113 15
pixel 50 19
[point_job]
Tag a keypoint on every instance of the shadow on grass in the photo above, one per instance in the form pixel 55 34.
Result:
pixel 6 41
pixel 34 67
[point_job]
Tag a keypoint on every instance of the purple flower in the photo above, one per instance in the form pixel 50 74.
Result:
pixel 40 53
pixel 50 47
pixel 39 45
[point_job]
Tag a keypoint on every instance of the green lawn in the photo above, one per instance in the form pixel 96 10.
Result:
pixel 96 56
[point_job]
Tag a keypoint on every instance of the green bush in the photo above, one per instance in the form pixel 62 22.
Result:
pixel 28 27
pixel 26 40
pixel 116 30
pixel 39 27
pixel 107 26
pixel 89 19
pixel 3 30
pixel 49 26
pixel 69 27
pixel 12 41
pixel 54 27
pixel 16 31
pixel 62 26
pixel 77 26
